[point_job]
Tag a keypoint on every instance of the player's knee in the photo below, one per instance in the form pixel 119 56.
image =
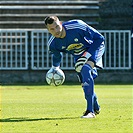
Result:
pixel 90 63
pixel 86 69
pixel 86 73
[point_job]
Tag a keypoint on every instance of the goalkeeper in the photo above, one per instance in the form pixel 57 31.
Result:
pixel 86 45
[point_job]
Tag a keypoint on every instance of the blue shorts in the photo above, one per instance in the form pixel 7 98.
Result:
pixel 97 55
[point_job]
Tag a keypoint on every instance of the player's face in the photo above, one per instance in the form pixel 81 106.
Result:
pixel 55 29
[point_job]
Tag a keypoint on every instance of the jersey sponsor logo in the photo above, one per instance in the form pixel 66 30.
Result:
pixel 74 46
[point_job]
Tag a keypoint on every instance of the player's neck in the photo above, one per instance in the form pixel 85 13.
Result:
pixel 63 33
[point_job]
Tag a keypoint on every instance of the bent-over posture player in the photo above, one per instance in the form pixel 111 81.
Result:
pixel 86 45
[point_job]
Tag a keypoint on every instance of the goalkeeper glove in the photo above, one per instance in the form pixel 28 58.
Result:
pixel 53 68
pixel 81 61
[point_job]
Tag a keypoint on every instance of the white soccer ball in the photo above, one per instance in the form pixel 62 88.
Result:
pixel 55 77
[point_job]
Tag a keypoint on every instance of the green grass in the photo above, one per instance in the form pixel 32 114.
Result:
pixel 43 109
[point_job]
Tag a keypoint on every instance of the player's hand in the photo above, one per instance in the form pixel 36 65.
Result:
pixel 53 68
pixel 81 61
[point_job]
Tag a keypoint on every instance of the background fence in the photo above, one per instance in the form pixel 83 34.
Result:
pixel 24 49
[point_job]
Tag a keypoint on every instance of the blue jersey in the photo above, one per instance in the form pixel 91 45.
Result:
pixel 79 38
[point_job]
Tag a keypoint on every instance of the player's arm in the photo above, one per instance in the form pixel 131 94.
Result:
pixel 94 43
pixel 55 53
pixel 56 58
pixel 94 39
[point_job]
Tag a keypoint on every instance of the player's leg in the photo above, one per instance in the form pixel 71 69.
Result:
pixel 88 87
pixel 96 106
pixel 97 59
pixel 88 83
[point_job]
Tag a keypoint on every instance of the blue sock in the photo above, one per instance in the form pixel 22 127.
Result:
pixel 96 105
pixel 88 86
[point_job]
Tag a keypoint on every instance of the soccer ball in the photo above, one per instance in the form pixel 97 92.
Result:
pixel 55 77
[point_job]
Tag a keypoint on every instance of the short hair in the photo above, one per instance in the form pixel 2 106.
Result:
pixel 50 19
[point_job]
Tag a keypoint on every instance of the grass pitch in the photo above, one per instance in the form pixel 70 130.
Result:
pixel 44 109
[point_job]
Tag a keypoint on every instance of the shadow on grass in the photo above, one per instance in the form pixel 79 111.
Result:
pixel 21 119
